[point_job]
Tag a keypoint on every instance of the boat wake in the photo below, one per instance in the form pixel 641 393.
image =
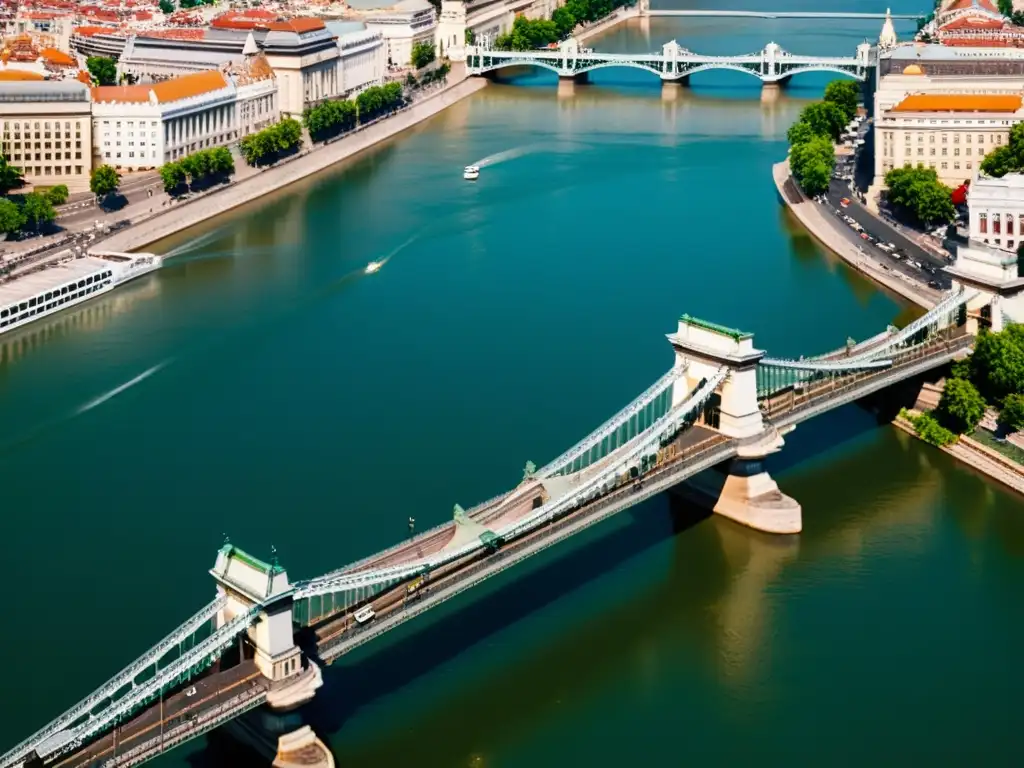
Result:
pixel 508 154
pixel 121 388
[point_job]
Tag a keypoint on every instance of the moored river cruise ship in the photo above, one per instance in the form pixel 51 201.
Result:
pixel 67 283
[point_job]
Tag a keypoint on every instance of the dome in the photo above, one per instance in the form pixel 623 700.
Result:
pixel 913 69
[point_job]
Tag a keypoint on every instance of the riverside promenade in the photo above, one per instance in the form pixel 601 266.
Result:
pixel 158 225
pixel 825 230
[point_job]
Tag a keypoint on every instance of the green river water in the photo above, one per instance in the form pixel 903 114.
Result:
pixel 260 385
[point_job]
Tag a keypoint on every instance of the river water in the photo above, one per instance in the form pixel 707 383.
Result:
pixel 260 385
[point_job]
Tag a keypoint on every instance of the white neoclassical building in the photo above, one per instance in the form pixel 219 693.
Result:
pixel 402 25
pixel 144 126
pixel 997 211
pixel 948 132
pixel 363 55
pixel 305 59
pixel 485 19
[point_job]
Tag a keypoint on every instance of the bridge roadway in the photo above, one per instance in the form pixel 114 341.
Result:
pixel 783 14
pixel 219 696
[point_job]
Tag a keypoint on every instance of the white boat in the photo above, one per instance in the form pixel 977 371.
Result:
pixel 373 266
pixel 472 173
pixel 66 283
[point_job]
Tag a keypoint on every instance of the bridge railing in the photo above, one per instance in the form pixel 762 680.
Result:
pixel 105 693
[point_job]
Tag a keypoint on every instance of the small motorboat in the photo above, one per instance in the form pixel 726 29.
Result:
pixel 472 173
pixel 373 266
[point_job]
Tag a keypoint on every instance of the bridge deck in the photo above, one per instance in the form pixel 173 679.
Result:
pixel 178 709
pixel 340 634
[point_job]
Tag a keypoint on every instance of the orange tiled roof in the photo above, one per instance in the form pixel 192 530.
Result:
pixel 121 93
pixel 89 31
pixel 299 25
pixel 53 56
pixel 84 77
pixel 963 102
pixel 19 74
pixel 189 85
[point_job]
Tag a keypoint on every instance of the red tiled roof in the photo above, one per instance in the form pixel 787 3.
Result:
pixel 58 58
pixel 971 22
pixel 89 31
pixel 298 25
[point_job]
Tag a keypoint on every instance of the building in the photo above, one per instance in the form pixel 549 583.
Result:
pixel 302 52
pixel 403 25
pixel 997 211
pixel 485 19
pixel 948 132
pixel 976 23
pixel 46 131
pixel 942 61
pixel 363 56
pixel 144 126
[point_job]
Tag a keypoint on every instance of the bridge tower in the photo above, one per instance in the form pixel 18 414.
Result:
pixel 749 495
pixel 253 585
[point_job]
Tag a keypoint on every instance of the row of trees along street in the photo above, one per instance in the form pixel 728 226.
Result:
pixel 917 194
pixel 197 171
pixel 32 212
pixel 272 143
pixel 332 117
pixel 812 153
pixel 527 34
pixel 992 376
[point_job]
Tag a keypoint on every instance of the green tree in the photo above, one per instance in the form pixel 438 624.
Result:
pixel 422 54
pixel 824 118
pixel 10 177
pixel 470 36
pixel 1009 158
pixel 918 192
pixel 997 364
pixel 1006 8
pixel 102 69
pixel 57 195
pixel 166 6
pixel 812 163
pixel 928 429
pixel 104 181
pixel 961 406
pixel 799 133
pixel 1011 415
pixel 38 210
pixel 11 216
pixel 845 94
pixel 222 162
pixel 564 21
pixel 173 177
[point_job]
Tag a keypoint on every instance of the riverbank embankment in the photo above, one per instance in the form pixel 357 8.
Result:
pixel 166 223
pixel 614 18
pixel 825 231
pixel 977 456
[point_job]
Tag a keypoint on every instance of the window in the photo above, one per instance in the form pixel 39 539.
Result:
pixel 996 225
pixel 1009 223
pixel 981 138
pixel 956 151
pixel 956 138
pixel 931 151
pixel 968 138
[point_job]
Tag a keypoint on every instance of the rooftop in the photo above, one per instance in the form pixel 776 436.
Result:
pixel 175 89
pixel 734 334
pixel 23 288
pixel 946 53
pixel 959 102
pixel 19 74
pixel 43 91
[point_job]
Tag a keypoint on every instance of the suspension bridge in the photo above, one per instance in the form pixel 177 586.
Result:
pixel 262 639
pixel 772 65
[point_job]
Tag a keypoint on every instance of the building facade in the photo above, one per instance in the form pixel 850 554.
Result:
pixel 305 60
pixel 144 126
pixel 363 56
pixel 948 132
pixel 997 211
pixel 403 25
pixel 46 132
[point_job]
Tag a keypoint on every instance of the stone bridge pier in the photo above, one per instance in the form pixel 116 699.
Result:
pixel 749 495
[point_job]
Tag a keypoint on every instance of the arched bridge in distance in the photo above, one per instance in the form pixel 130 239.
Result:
pixel 771 65
pixel 262 638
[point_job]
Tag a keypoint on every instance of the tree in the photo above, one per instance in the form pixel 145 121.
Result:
pixel 919 193
pixel 564 21
pixel 422 54
pixel 1011 416
pixel 11 217
pixel 1006 8
pixel 166 6
pixel 38 210
pixel 799 133
pixel 57 195
pixel 997 365
pixel 173 177
pixel 825 119
pixel 1008 158
pixel 104 181
pixel 961 406
pixel 812 163
pixel 10 177
pixel 102 69
pixel 845 94
pixel 470 36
